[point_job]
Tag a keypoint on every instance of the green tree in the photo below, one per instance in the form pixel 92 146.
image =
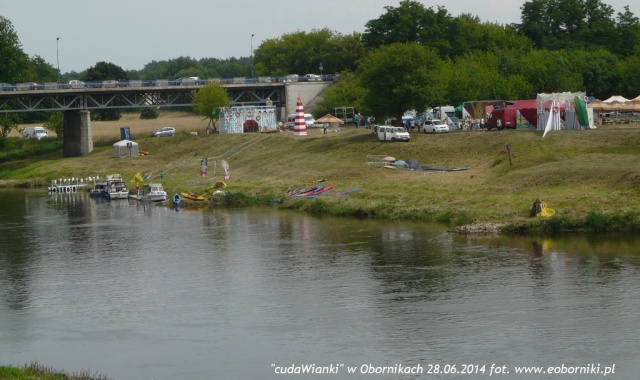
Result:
pixel 476 75
pixel 629 29
pixel 7 123
pixel 629 83
pixel 599 70
pixel 399 77
pixel 149 113
pixel 302 52
pixel 208 100
pixel 568 24
pixel 550 71
pixel 55 123
pixel 14 65
pixel 411 21
pixel 346 93
pixel 104 71
pixel 44 71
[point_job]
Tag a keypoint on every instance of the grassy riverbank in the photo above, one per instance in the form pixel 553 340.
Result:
pixel 591 178
pixel 35 371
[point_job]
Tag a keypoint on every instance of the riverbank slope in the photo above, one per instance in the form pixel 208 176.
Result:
pixel 590 178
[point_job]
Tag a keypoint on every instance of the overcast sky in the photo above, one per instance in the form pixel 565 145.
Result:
pixel 133 33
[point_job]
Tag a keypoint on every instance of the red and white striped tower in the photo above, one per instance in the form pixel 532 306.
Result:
pixel 300 127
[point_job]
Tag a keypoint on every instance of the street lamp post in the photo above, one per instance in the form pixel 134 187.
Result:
pixel 252 55
pixel 58 58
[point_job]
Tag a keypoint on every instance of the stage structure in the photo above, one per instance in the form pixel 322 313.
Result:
pixel 242 119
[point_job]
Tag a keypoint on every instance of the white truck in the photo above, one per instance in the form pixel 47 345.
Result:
pixel 34 133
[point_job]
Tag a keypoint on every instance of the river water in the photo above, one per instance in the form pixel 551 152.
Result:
pixel 137 291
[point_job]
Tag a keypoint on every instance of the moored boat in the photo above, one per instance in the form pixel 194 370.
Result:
pixel 154 192
pixel 116 187
pixel 98 189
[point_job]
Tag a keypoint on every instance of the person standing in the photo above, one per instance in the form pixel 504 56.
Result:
pixel 137 189
pixel 325 128
pixel 482 122
pixel 356 119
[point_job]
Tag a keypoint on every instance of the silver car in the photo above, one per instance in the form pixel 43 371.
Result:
pixel 164 131
pixel 434 126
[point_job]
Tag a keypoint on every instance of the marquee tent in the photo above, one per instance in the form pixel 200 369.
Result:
pixel 122 149
pixel 616 98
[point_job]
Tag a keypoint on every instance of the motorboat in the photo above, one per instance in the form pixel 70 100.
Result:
pixel 154 192
pixel 98 189
pixel 116 187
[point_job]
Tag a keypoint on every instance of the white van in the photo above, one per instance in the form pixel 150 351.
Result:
pixel 34 132
pixel 389 133
pixel 309 121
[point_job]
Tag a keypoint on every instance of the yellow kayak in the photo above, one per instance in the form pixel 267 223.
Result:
pixel 192 196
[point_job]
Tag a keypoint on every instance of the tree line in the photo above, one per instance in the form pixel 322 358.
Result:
pixel 418 56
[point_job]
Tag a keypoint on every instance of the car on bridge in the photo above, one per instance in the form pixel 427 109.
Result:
pixel 29 86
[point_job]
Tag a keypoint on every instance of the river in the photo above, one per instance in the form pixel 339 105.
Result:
pixel 139 291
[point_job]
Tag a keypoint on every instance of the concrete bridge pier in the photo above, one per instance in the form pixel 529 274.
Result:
pixel 77 133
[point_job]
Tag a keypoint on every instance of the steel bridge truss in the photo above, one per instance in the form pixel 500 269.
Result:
pixel 108 98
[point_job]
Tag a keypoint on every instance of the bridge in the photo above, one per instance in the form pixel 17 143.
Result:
pixel 77 103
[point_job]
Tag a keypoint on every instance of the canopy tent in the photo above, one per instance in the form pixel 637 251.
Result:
pixel 123 149
pixel 329 119
pixel 616 98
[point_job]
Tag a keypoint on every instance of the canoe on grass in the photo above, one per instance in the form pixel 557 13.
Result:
pixel 192 196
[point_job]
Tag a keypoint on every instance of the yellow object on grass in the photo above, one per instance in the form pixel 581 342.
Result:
pixel 546 211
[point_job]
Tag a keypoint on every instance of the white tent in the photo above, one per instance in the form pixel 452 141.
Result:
pixel 616 98
pixel 123 149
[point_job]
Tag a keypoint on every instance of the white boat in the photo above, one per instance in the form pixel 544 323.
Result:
pixel 98 189
pixel 116 187
pixel 153 192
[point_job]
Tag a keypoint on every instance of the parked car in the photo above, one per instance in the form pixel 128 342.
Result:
pixel 29 86
pixel 455 123
pixel 34 133
pixel 164 131
pixel 390 133
pixel 312 78
pixel 7 87
pixel 76 84
pixel 434 126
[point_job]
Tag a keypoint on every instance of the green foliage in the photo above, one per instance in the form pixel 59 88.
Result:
pixel 302 52
pixel 104 71
pixel 149 113
pixel 7 123
pixel 17 148
pixel 346 93
pixel 55 123
pixel 599 222
pixel 106 114
pixel 571 24
pixel 399 77
pixel 208 100
pixel 14 65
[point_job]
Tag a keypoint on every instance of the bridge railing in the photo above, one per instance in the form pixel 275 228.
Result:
pixel 29 86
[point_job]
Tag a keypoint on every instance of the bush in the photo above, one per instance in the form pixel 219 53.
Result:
pixel 149 113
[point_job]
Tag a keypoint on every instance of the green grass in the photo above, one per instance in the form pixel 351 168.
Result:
pixel 591 178
pixel 35 371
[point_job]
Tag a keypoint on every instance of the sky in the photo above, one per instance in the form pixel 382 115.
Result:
pixel 133 33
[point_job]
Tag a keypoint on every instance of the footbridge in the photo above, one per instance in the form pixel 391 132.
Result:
pixel 77 103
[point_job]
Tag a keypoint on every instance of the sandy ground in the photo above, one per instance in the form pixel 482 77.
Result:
pixel 110 130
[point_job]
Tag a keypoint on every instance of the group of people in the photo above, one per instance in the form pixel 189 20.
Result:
pixel 469 124
pixel 359 120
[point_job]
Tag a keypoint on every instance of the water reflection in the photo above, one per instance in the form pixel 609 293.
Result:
pixel 189 293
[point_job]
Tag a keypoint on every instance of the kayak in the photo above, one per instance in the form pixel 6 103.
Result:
pixel 192 196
